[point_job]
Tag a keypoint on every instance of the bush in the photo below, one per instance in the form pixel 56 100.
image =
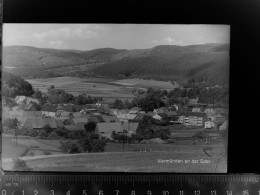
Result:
pixel 20 165
pixel 42 133
pixel 53 135
pixel 61 132
pixel 92 143
pixel 33 133
pixel 69 147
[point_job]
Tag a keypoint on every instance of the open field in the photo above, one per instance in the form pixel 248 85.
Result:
pixel 94 87
pixel 125 162
pixel 147 83
pixel 109 89
pixel 129 158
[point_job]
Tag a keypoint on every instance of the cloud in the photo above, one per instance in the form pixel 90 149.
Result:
pixel 68 33
pixel 164 41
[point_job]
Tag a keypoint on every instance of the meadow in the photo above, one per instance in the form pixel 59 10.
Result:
pixel 127 158
pixel 108 89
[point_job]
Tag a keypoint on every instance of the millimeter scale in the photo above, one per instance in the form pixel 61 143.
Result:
pixel 129 184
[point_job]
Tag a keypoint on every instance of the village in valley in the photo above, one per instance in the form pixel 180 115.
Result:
pixel 115 98
pixel 45 128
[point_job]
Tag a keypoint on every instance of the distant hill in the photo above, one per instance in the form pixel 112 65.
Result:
pixel 207 62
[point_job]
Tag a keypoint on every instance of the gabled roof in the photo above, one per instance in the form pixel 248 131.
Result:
pixel 72 123
pixel 100 118
pixel 109 118
pixel 127 116
pixel 78 115
pixel 80 120
pixel 93 119
pixel 131 126
pixel 60 107
pixel 65 114
pixel 49 108
pixel 41 122
pixel 109 127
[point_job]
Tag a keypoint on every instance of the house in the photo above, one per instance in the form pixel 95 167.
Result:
pixel 219 119
pixel 109 118
pixel 194 119
pixel 160 110
pixel 224 126
pixel 29 107
pixel 93 119
pixel 196 110
pixel 209 111
pixel 181 119
pixel 209 125
pixel 193 101
pixel 49 110
pixel 134 110
pixel 40 123
pixel 130 127
pixel 126 117
pixel 20 99
pixel 60 108
pixel 106 129
pixel 117 112
pixel 161 116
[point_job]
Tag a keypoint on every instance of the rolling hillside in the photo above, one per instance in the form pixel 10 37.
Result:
pixel 208 62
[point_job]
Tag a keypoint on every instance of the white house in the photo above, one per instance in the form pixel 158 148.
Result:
pixel 181 119
pixel 209 125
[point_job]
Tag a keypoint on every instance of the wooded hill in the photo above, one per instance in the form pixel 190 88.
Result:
pixel 207 62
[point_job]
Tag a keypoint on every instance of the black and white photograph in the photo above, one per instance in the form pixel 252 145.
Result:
pixel 115 97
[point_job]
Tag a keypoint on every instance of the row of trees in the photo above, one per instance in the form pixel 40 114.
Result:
pixel 55 96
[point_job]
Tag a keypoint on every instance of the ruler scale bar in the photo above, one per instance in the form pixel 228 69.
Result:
pixel 125 184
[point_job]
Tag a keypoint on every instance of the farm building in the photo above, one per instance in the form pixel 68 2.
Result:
pixel 80 121
pixel 49 110
pixel 209 125
pixel 131 127
pixel 41 123
pixel 110 119
pixel 160 116
pixel 126 117
pixel 135 110
pixel 117 112
pixel 106 129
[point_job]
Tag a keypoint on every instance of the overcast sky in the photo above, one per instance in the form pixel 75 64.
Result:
pixel 119 36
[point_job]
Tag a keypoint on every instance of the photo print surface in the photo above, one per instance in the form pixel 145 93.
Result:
pixel 115 97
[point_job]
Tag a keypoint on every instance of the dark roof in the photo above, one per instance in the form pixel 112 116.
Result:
pixel 195 114
pixel 49 108
pixel 100 119
pixel 93 119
